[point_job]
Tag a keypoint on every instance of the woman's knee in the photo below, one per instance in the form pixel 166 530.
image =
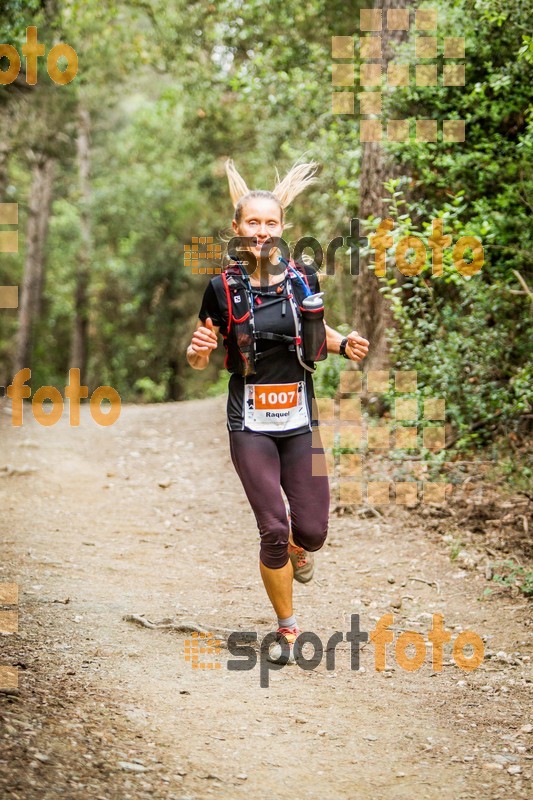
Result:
pixel 274 552
pixel 273 557
pixel 311 537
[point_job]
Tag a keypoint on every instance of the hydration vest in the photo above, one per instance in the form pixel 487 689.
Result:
pixel 236 304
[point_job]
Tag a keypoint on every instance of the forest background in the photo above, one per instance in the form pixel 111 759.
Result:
pixel 115 172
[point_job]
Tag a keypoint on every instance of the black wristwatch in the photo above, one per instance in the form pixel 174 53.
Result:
pixel 342 347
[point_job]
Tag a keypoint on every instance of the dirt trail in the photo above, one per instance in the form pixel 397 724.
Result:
pixel 97 523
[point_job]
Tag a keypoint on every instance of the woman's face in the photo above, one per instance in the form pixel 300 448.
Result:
pixel 261 220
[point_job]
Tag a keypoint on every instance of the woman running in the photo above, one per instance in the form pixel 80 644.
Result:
pixel 273 435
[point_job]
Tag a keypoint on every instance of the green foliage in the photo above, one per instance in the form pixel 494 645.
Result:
pixel 492 168
pixel 467 338
pixel 149 391
pixel 455 548
pixel 514 466
pixel 509 574
pixel 327 374
pixel 16 16
pixel 220 386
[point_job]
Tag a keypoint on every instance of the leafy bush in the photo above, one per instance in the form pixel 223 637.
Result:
pixel 220 386
pixel 150 391
pixel 467 337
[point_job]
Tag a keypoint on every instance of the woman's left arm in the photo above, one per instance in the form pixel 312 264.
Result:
pixel 356 346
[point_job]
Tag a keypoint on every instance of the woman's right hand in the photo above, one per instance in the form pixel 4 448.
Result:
pixel 204 339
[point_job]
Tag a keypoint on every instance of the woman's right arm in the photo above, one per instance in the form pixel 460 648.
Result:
pixel 203 342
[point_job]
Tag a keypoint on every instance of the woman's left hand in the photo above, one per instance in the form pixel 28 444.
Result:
pixel 356 347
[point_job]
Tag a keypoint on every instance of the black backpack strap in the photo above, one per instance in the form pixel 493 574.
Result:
pixel 270 351
pixel 276 337
pixel 222 297
pixel 224 286
pixel 270 302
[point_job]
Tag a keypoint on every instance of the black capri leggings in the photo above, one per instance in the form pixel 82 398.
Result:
pixel 266 464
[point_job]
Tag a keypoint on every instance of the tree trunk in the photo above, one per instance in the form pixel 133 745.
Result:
pixel 78 352
pixel 39 207
pixel 4 154
pixel 42 233
pixel 175 379
pixel 372 314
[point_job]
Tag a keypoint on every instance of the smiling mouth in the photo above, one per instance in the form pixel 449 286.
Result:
pixel 258 245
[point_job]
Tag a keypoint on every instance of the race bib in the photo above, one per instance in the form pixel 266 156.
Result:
pixel 275 406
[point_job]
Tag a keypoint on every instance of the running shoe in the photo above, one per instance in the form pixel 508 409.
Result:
pixel 303 563
pixel 275 650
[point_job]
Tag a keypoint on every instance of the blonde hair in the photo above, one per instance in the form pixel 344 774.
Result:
pixel 299 177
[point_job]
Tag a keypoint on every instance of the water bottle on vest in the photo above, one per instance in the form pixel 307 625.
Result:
pixel 313 328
